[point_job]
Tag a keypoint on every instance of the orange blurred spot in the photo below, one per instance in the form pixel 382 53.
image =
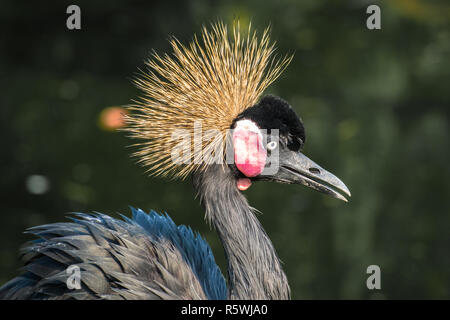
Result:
pixel 112 118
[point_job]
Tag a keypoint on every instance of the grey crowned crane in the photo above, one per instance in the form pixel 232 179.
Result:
pixel 212 86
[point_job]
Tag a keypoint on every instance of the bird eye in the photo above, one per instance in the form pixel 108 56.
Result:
pixel 271 145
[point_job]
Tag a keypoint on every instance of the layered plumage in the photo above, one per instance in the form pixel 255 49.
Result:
pixel 145 257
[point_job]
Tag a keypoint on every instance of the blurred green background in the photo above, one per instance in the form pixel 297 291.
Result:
pixel 375 105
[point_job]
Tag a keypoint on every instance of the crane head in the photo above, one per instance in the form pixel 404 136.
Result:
pixel 267 141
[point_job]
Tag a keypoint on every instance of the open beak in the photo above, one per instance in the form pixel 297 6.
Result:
pixel 295 167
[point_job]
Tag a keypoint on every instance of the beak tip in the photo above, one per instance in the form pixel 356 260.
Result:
pixel 348 193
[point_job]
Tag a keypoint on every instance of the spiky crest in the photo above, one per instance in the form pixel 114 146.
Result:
pixel 208 82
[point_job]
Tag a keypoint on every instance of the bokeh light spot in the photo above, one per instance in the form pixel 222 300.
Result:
pixel 37 184
pixel 112 118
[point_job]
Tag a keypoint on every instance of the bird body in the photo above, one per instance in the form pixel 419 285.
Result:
pixel 218 84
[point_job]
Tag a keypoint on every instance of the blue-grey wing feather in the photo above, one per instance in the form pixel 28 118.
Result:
pixel 144 257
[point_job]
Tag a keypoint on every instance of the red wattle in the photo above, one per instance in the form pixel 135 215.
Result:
pixel 244 183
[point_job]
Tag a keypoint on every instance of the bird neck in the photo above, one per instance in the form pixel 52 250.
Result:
pixel 254 270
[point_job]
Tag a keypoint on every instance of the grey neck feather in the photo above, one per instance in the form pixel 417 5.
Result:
pixel 254 270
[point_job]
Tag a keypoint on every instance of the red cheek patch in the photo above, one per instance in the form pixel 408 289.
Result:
pixel 249 153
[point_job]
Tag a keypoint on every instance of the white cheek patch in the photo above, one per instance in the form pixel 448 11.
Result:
pixel 249 152
pixel 248 125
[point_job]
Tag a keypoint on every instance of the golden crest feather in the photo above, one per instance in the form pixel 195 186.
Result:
pixel 208 82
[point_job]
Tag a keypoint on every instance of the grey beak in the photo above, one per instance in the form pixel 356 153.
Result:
pixel 295 167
